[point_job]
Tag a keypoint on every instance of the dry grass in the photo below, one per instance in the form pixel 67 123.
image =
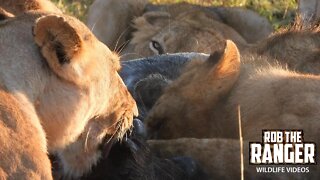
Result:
pixel 279 12
pixel 77 8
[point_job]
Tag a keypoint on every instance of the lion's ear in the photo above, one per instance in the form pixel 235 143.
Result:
pixel 226 63
pixel 61 45
pixel 224 67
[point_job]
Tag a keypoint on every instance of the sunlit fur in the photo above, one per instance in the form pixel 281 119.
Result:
pixel 297 46
pixel 203 101
pixel 130 26
pixel 66 83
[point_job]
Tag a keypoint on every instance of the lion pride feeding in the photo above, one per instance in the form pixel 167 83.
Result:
pixel 61 93
pixel 203 103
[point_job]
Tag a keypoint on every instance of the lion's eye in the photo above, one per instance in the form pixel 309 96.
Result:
pixel 156 47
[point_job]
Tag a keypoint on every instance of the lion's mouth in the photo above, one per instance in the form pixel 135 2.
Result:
pixel 136 128
pixel 122 128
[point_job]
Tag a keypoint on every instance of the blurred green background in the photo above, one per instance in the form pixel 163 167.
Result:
pixel 279 12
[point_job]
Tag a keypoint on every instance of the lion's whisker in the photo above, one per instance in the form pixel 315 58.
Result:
pixel 120 129
pixel 86 140
pixel 123 45
pixel 111 137
pixel 94 25
pixel 118 39
pixel 115 123
pixel 118 123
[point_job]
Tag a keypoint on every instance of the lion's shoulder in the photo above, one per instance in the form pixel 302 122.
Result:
pixel 19 142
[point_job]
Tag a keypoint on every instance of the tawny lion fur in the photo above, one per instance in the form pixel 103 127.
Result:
pixel 297 46
pixel 61 94
pixel 203 101
pixel 179 27
pixel 192 31
pixel 22 153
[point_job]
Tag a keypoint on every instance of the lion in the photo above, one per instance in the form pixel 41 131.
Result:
pixel 208 98
pixel 203 102
pixel 112 18
pixel 141 32
pixel 18 7
pixel 64 96
pixel 296 46
pixel 19 139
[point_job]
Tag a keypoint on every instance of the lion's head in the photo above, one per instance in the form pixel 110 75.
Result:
pixel 71 79
pixel 138 29
pixel 193 31
pixel 191 100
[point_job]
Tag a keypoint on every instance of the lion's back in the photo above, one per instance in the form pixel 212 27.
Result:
pixel 20 155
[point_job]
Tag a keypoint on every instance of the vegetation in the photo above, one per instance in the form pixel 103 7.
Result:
pixel 279 12
pixel 77 8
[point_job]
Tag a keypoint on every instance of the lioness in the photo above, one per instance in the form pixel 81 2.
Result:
pixel 182 27
pixel 203 101
pixel 23 155
pixel 64 96
pixel 297 47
